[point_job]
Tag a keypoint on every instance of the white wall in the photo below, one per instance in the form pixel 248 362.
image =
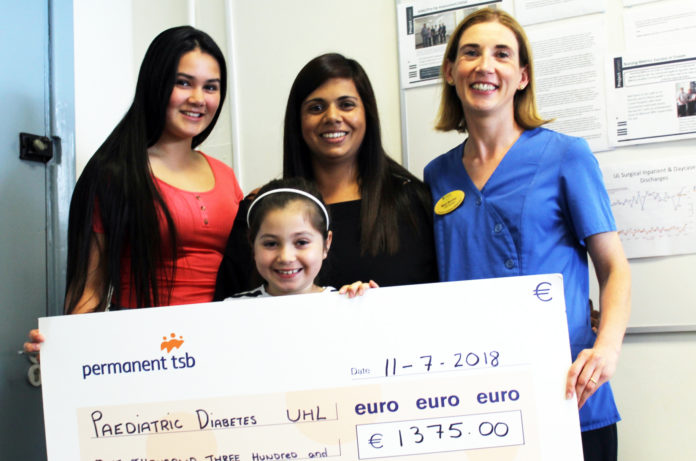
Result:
pixel 654 385
pixel 104 71
pixel 111 37
pixel 271 41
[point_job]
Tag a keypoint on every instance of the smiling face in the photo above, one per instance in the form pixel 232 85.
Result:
pixel 288 250
pixel 333 121
pixel 486 72
pixel 195 97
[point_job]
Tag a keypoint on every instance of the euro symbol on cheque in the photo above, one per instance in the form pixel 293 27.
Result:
pixel 376 440
pixel 543 292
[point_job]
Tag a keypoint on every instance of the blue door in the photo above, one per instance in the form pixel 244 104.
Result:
pixel 29 99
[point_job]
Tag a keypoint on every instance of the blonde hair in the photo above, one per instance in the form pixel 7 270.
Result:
pixel 451 115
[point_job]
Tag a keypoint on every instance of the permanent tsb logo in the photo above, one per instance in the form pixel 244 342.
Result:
pixel 172 361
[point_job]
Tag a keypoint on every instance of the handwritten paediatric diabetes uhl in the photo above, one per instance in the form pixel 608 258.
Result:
pixel 438 372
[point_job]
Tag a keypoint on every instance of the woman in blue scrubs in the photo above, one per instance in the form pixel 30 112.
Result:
pixel 518 199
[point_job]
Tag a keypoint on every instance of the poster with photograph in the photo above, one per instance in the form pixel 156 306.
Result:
pixel 424 28
pixel 654 96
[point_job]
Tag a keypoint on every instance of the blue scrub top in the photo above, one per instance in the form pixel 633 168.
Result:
pixel 531 217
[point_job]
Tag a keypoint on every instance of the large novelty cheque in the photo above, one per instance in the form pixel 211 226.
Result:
pixel 462 370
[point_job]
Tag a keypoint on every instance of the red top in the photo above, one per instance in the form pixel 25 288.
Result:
pixel 203 223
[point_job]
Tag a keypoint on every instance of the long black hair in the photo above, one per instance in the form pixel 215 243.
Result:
pixel 380 178
pixel 118 182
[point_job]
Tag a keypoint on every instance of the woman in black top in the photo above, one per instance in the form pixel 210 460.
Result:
pixel 382 222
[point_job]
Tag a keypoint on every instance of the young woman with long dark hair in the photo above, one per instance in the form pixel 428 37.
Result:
pixel 150 215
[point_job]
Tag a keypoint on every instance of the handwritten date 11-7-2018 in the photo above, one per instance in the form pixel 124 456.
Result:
pixel 427 363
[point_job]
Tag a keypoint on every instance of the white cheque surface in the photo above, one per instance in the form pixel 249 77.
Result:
pixel 462 370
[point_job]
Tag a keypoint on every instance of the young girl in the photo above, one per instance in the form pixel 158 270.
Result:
pixel 290 238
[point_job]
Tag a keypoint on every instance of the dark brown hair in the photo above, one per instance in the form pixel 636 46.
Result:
pixel 380 178
pixel 118 180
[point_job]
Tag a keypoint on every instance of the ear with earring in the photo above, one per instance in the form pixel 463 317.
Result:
pixel 522 87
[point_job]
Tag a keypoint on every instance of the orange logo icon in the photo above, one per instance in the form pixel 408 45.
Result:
pixel 172 343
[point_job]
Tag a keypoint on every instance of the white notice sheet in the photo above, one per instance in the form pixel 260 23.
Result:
pixel 661 23
pixel 570 77
pixel 654 203
pixel 535 11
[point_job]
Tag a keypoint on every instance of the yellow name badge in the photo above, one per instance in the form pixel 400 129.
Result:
pixel 449 202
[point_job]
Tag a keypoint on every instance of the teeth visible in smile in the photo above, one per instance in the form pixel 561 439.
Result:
pixel 483 86
pixel 289 272
pixel 192 114
pixel 335 134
